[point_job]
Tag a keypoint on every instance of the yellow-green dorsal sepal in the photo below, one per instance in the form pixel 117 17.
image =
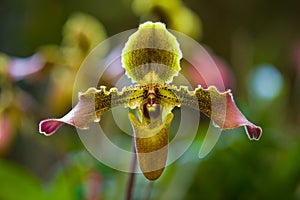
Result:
pixel 151 54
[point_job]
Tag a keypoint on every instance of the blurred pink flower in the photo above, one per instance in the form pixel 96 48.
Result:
pixel 114 68
pixel 209 76
pixel 19 68
pixel 6 132
pixel 94 185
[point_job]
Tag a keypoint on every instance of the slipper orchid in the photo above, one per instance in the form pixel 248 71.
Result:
pixel 151 58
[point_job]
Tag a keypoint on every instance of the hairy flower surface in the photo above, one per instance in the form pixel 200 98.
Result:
pixel 151 58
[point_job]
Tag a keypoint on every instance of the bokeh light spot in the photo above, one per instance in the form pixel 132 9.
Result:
pixel 266 82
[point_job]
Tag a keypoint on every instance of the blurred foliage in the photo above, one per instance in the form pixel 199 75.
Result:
pixel 174 13
pixel 53 37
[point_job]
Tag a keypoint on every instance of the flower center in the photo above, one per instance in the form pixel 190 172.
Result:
pixel 151 109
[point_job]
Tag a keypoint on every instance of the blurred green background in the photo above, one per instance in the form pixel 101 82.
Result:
pixel 42 44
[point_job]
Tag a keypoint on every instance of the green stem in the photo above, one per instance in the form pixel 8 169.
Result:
pixel 130 182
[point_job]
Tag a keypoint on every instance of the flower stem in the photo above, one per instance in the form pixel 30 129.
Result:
pixel 130 182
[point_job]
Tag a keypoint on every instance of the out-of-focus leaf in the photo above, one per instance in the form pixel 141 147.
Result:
pixel 4 60
pixel 17 184
pixel 76 179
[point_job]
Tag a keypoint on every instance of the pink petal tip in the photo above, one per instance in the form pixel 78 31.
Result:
pixel 253 132
pixel 49 126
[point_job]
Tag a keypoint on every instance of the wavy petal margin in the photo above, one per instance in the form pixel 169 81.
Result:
pixel 91 105
pixel 220 107
pixel 79 117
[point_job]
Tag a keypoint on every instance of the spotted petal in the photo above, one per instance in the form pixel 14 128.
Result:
pixel 220 107
pixel 91 105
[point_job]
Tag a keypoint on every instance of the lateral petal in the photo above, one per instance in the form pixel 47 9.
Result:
pixel 91 105
pixel 220 107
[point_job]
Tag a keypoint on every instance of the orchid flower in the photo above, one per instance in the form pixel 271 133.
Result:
pixel 151 58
